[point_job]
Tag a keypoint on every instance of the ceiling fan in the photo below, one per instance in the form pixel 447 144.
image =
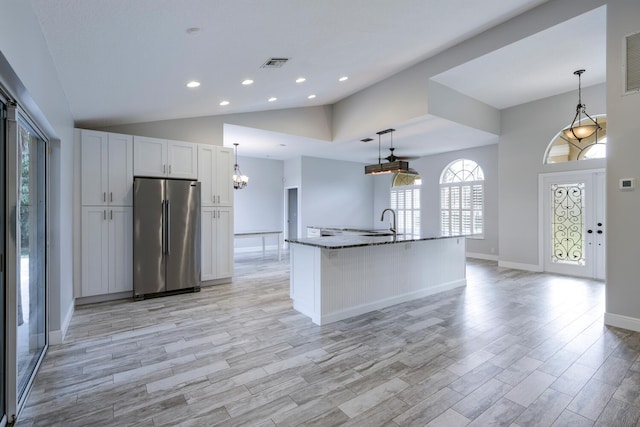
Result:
pixel 392 157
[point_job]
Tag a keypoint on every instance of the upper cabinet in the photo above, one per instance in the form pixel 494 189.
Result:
pixel 165 158
pixel 215 173
pixel 107 168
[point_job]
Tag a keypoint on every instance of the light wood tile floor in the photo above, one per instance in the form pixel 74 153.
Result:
pixel 512 348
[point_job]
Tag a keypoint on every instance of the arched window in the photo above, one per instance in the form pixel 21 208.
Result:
pixel 405 200
pixel 462 199
pixel 563 149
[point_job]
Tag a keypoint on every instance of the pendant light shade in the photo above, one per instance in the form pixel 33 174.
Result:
pixel 239 180
pixel 578 130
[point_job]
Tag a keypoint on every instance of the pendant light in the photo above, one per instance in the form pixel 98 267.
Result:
pixel 239 180
pixel 577 130
pixel 393 165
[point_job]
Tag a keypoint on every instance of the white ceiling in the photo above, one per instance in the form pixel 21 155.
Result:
pixel 123 61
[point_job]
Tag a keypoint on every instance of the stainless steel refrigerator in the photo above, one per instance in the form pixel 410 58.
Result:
pixel 166 236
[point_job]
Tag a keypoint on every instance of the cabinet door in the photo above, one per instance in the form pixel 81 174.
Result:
pixel 120 171
pixel 95 264
pixel 207 241
pixel 206 170
pixel 120 220
pixel 94 165
pixel 224 242
pixel 182 160
pixel 149 156
pixel 224 176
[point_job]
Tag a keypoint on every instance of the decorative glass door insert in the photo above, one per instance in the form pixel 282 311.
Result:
pixel 567 223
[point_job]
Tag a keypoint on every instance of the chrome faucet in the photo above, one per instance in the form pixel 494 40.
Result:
pixel 393 227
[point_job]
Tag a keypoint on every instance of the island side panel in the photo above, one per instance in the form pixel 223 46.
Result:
pixel 305 280
pixel 362 279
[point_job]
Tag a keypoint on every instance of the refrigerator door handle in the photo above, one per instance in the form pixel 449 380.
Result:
pixel 168 227
pixel 163 224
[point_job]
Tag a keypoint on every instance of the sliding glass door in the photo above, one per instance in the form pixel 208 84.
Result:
pixel 26 268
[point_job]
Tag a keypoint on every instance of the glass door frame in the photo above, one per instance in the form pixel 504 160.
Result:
pixel 595 207
pixel 3 284
pixel 15 114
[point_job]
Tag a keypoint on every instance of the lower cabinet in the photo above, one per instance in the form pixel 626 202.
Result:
pixel 217 242
pixel 107 250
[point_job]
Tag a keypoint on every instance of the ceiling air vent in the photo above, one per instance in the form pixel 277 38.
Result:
pixel 274 62
pixel 632 81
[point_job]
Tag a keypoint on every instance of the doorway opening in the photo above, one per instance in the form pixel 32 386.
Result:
pixel 292 217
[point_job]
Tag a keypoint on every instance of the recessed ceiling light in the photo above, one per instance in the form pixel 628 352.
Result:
pixel 283 145
pixel 223 103
pixel 193 30
pixel 273 98
pixel 343 78
pixel 300 79
pixel 311 96
pixel 193 84
pixel 247 82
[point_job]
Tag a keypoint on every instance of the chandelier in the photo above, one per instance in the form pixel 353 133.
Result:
pixel 239 180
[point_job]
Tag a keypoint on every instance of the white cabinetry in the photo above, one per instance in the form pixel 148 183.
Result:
pixel 107 168
pixel 217 242
pixel 155 157
pixel 215 173
pixel 107 212
pixel 107 252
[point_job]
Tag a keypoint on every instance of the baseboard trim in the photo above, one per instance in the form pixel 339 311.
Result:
pixel 215 282
pixel 478 255
pixel 255 249
pixel 519 266
pixel 104 298
pixel 57 337
pixel 624 322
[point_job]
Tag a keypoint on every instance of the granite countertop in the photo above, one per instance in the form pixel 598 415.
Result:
pixel 352 241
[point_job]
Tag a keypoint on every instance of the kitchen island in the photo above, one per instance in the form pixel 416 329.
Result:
pixel 337 277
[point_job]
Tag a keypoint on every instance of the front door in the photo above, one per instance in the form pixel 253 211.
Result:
pixel 574 223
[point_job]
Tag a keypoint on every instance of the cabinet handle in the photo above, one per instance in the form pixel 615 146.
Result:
pixel 169 169
pixel 111 215
pixel 218 199
pixel 104 214
pixel 164 168
pixel 111 196
pixel 104 197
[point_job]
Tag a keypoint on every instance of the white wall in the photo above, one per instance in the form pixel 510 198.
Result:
pixel 29 74
pixel 381 197
pixel 527 130
pixel 335 193
pixel 623 160
pixel 312 122
pixel 259 206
